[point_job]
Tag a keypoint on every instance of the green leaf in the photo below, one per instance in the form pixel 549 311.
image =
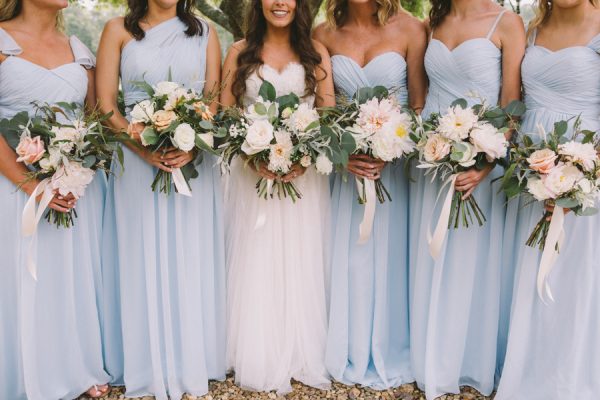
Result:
pixel 150 136
pixel 145 87
pixel 560 128
pixel 380 92
pixel 260 109
pixel 267 91
pixel 508 175
pixel 515 108
pixel 364 94
pixel 89 161
pixel 460 102
pixel 513 188
pixel 348 143
pixel 567 203
pixel 289 100
pixel 588 212
pixel 206 125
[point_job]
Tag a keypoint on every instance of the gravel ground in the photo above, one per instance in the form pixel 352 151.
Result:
pixel 228 391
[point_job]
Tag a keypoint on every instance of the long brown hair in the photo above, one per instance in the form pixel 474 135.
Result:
pixel 542 13
pixel 249 59
pixel 439 10
pixel 337 11
pixel 9 9
pixel 139 8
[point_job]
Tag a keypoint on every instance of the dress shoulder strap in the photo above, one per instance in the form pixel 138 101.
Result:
pixel 8 46
pixel 495 25
pixel 83 55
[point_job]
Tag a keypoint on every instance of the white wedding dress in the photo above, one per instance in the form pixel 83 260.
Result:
pixel 277 270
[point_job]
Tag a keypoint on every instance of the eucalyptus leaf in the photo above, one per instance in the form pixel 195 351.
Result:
pixel 267 91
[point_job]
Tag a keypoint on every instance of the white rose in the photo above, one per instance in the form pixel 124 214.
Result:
pixel 73 178
pixel 562 179
pixel 142 112
pixel 52 161
pixel 306 161
pixel 457 123
pixel 300 119
pixel 323 165
pixel 490 141
pixel 207 138
pixel 175 97
pixel 184 137
pixel 165 88
pixel 258 137
pixel 436 148
pixel 287 112
pixel 583 154
pixel 536 187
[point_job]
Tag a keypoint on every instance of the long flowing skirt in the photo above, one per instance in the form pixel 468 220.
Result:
pixel 277 280
pixel 165 283
pixel 368 338
pixel 50 342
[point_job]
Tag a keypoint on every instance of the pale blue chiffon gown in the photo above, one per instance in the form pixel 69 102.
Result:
pixel 553 350
pixel 368 340
pixel 455 302
pixel 164 255
pixel 50 342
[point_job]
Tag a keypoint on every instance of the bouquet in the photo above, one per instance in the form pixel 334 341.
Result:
pixel 174 117
pixel 63 148
pixel 558 171
pixel 456 141
pixel 277 132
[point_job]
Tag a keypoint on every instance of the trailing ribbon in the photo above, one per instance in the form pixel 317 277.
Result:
pixel 31 217
pixel 441 230
pixel 556 235
pixel 366 186
pixel 180 184
pixel 261 220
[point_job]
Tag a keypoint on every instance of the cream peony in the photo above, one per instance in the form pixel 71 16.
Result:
pixel 66 137
pixel 583 154
pixel 52 161
pixel 162 119
pixel 184 137
pixel 142 112
pixel 323 165
pixel 72 177
pixel 542 161
pixel 30 150
pixel 399 127
pixel 373 114
pixel 301 118
pixel 562 179
pixel 457 123
pixel 280 153
pixel 487 139
pixel 258 137
pixel 165 88
pixel 436 148
pixel 536 187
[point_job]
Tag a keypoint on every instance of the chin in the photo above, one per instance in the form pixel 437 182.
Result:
pixel 165 4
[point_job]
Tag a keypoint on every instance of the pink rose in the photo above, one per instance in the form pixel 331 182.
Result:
pixel 30 150
pixel 542 161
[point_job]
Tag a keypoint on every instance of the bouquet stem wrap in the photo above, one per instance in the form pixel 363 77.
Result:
pixel 180 183
pixel 554 241
pixel 366 187
pixel 436 241
pixel 31 217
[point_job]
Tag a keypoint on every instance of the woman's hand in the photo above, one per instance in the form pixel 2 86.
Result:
pixel 262 170
pixel 296 171
pixel 176 158
pixel 156 159
pixel 365 166
pixel 467 181
pixel 62 203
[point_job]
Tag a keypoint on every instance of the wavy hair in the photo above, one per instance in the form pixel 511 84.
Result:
pixel 337 11
pixel 249 59
pixel 542 13
pixel 439 10
pixel 185 12
pixel 9 9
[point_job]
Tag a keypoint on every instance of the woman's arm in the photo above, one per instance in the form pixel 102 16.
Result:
pixel 325 91
pixel 229 70
pixel 513 42
pixel 415 55
pixel 213 68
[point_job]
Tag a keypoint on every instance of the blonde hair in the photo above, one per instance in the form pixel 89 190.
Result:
pixel 542 13
pixel 337 11
pixel 9 9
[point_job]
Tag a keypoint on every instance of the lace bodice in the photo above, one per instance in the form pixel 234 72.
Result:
pixel 289 80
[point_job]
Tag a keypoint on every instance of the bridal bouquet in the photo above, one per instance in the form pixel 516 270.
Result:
pixel 63 147
pixel 277 132
pixel 558 171
pixel 174 117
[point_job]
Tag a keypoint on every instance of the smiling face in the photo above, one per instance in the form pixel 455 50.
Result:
pixel 279 13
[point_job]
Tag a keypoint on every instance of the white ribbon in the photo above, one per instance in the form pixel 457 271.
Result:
pixel 180 184
pixel 31 217
pixel 366 186
pixel 441 230
pixel 261 220
pixel 555 237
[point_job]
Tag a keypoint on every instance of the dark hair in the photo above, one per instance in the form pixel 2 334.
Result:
pixel 139 8
pixel 439 10
pixel 300 39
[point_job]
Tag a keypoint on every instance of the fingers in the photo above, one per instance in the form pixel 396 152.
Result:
pixel 172 154
pixel 263 171
pixel 368 174
pixel 468 193
pixel 181 161
pixel 295 172
pixel 60 205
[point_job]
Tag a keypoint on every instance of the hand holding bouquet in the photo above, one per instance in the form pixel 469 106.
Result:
pixel 174 118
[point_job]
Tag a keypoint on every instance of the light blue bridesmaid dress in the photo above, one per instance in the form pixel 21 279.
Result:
pixel 50 341
pixel 368 338
pixel 165 261
pixel 455 302
pixel 553 350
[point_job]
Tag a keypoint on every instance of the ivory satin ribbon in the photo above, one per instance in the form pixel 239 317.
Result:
pixel 556 235
pixel 180 183
pixel 436 241
pixel 366 186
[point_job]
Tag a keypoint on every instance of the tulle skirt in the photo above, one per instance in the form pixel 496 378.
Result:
pixel 164 324
pixel 277 279
pixel 368 338
pixel 50 338
pixel 455 302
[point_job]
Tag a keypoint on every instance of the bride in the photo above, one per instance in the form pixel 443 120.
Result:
pixel 277 249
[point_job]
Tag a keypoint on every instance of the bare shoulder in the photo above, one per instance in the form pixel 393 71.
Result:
pixel 511 23
pixel 323 33
pixel 115 25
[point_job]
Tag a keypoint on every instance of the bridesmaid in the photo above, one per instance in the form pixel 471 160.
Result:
pixel 372 43
pixel 166 258
pixel 50 337
pixel 553 348
pixel 475 46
